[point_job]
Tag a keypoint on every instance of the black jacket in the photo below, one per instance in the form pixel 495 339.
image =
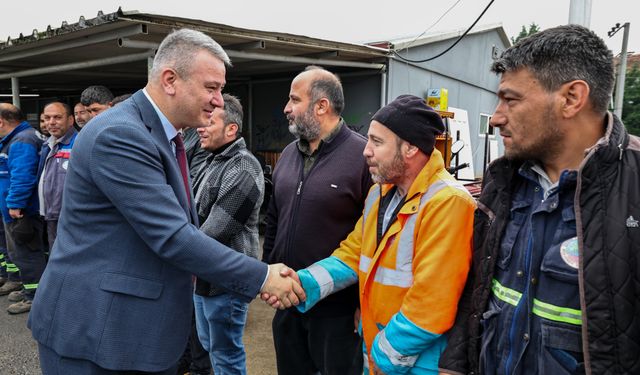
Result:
pixel 607 215
pixel 309 216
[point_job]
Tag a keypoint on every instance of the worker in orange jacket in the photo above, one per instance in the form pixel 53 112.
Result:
pixel 411 249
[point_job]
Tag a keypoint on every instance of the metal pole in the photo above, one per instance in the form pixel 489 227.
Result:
pixel 79 65
pixel 487 153
pixel 15 91
pixel 131 43
pixel 383 89
pixel 580 12
pixel 622 72
pixel 302 60
pixel 457 154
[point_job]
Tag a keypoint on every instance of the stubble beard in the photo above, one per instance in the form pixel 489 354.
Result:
pixel 548 144
pixel 390 173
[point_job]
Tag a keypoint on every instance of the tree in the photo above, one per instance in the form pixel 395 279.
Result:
pixel 533 28
pixel 631 103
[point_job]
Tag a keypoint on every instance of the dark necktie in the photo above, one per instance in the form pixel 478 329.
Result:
pixel 181 156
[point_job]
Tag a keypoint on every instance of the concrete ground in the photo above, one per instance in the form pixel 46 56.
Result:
pixel 19 352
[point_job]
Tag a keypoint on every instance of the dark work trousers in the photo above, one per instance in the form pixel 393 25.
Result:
pixel 51 363
pixel 52 232
pixel 308 345
pixel 30 259
pixel 8 270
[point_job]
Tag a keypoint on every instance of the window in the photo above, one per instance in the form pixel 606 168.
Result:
pixel 484 125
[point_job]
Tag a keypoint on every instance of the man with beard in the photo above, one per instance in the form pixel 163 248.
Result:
pixel 81 115
pixel 42 131
pixel 320 183
pixel 410 251
pixel 554 287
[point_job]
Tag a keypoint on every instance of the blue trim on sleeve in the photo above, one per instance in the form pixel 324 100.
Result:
pixel 311 289
pixel 394 347
pixel 343 276
pixel 323 278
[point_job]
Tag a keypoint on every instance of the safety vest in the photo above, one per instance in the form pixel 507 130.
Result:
pixel 420 266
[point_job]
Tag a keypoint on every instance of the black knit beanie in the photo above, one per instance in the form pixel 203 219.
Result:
pixel 411 119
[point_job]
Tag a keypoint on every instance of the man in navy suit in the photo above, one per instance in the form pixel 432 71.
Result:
pixel 116 294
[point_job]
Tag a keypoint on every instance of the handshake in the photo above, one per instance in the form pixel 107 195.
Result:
pixel 282 288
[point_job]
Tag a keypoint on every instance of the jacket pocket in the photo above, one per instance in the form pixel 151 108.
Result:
pixel 489 324
pixel 131 285
pixel 510 237
pixel 561 349
pixel 562 260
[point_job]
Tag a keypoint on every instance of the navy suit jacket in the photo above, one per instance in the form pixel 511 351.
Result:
pixel 118 287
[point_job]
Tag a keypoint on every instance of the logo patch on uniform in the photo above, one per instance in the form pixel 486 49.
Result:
pixel 65 164
pixel 569 252
pixel 632 223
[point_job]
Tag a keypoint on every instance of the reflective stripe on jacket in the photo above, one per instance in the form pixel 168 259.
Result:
pixel 411 281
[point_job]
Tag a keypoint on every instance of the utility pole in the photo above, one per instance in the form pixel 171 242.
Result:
pixel 580 12
pixel 622 68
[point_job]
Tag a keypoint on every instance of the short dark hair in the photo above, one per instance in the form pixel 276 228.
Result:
pixel 327 86
pixel 67 107
pixel 120 98
pixel 232 111
pixel 96 94
pixel 563 54
pixel 11 113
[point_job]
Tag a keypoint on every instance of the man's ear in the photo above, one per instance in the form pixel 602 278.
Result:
pixel 410 150
pixel 575 96
pixel 231 130
pixel 322 106
pixel 168 78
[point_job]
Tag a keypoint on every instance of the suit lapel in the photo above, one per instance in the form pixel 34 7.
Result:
pixel 174 177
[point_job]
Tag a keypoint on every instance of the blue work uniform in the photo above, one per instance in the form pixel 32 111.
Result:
pixel 533 322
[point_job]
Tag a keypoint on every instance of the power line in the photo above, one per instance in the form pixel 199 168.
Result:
pixel 432 25
pixel 451 46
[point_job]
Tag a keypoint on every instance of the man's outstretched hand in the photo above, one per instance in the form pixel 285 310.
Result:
pixel 282 288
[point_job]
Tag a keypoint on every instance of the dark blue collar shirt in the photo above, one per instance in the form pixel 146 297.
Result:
pixel 533 322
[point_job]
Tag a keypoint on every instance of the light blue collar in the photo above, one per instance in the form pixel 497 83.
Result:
pixel 169 130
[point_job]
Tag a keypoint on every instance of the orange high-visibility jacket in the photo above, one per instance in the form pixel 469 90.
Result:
pixel 411 281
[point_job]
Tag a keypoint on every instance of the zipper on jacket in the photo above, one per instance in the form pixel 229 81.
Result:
pixel 621 150
pixel 292 231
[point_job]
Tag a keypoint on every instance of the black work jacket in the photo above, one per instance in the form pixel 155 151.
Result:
pixel 607 213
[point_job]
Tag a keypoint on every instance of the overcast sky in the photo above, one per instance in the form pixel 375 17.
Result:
pixel 342 20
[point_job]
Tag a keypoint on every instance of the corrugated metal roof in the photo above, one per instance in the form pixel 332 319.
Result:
pixel 91 51
pixel 64 28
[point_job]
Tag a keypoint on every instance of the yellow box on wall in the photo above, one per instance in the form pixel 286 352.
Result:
pixel 438 99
